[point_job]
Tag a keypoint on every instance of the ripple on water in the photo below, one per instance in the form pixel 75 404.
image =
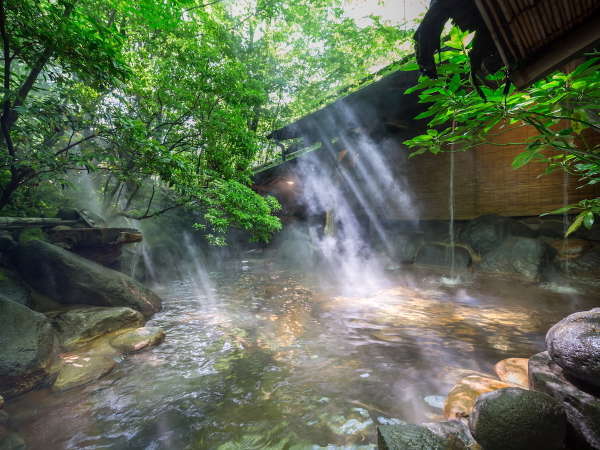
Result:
pixel 267 361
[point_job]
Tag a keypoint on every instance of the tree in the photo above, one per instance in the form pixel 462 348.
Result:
pixel 166 103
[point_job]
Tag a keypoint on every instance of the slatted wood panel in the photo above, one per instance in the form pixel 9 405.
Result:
pixel 534 36
pixel 486 183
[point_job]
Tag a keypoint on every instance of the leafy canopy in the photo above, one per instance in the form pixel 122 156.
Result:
pixel 166 102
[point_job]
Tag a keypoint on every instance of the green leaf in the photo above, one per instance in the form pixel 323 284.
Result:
pixel 576 224
pixel 588 220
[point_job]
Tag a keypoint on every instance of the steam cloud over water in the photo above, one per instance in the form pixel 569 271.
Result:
pixel 352 186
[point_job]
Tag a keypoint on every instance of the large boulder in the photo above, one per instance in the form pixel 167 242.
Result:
pixel 518 419
pixel 27 346
pixel 436 254
pixel 405 247
pixel 11 288
pixel 582 407
pixel 71 279
pixel 77 326
pixel 522 256
pixel 487 233
pixel 461 399
pixel 574 344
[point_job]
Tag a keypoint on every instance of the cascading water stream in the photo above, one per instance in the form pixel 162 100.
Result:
pixel 451 209
pixel 453 278
pixel 565 242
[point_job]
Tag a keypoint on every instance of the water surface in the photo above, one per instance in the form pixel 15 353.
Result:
pixel 266 360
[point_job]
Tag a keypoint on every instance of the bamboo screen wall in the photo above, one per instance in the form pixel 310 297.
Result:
pixel 486 183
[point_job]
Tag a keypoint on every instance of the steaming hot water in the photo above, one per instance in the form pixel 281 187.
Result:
pixel 270 360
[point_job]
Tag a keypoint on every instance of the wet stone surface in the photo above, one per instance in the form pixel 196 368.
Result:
pixel 265 359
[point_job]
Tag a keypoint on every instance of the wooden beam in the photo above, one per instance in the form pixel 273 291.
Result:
pixel 8 223
pixel 558 52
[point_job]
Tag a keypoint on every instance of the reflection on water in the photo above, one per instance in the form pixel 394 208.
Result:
pixel 268 361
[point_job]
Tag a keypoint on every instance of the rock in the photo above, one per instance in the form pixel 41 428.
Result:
pixel 68 214
pixel 70 279
pixel 102 245
pixel 454 430
pixel 27 346
pixel 567 249
pixel 93 237
pixel 513 370
pixel 552 228
pixel 413 437
pixel 440 255
pixel 78 369
pixel 406 247
pixel 587 265
pixel 462 397
pixel 12 441
pixel 295 247
pixel 79 325
pixel 1 402
pixel 138 339
pixel 582 408
pixel 7 242
pixel 521 256
pixel 12 288
pixel 518 419
pixel 487 233
pixel 574 344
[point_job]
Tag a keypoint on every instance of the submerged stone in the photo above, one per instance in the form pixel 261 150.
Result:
pixel 581 406
pixel 513 370
pixel 138 339
pixel 518 419
pixel 574 344
pixel 12 441
pixel 413 437
pixel 78 369
pixel 71 279
pixel 79 325
pixel 461 399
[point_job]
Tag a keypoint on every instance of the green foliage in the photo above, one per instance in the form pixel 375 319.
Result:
pixel 166 103
pixel 560 108
pixel 232 204
pixel 31 234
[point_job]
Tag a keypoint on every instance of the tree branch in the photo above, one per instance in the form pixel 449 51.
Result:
pixel 75 144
